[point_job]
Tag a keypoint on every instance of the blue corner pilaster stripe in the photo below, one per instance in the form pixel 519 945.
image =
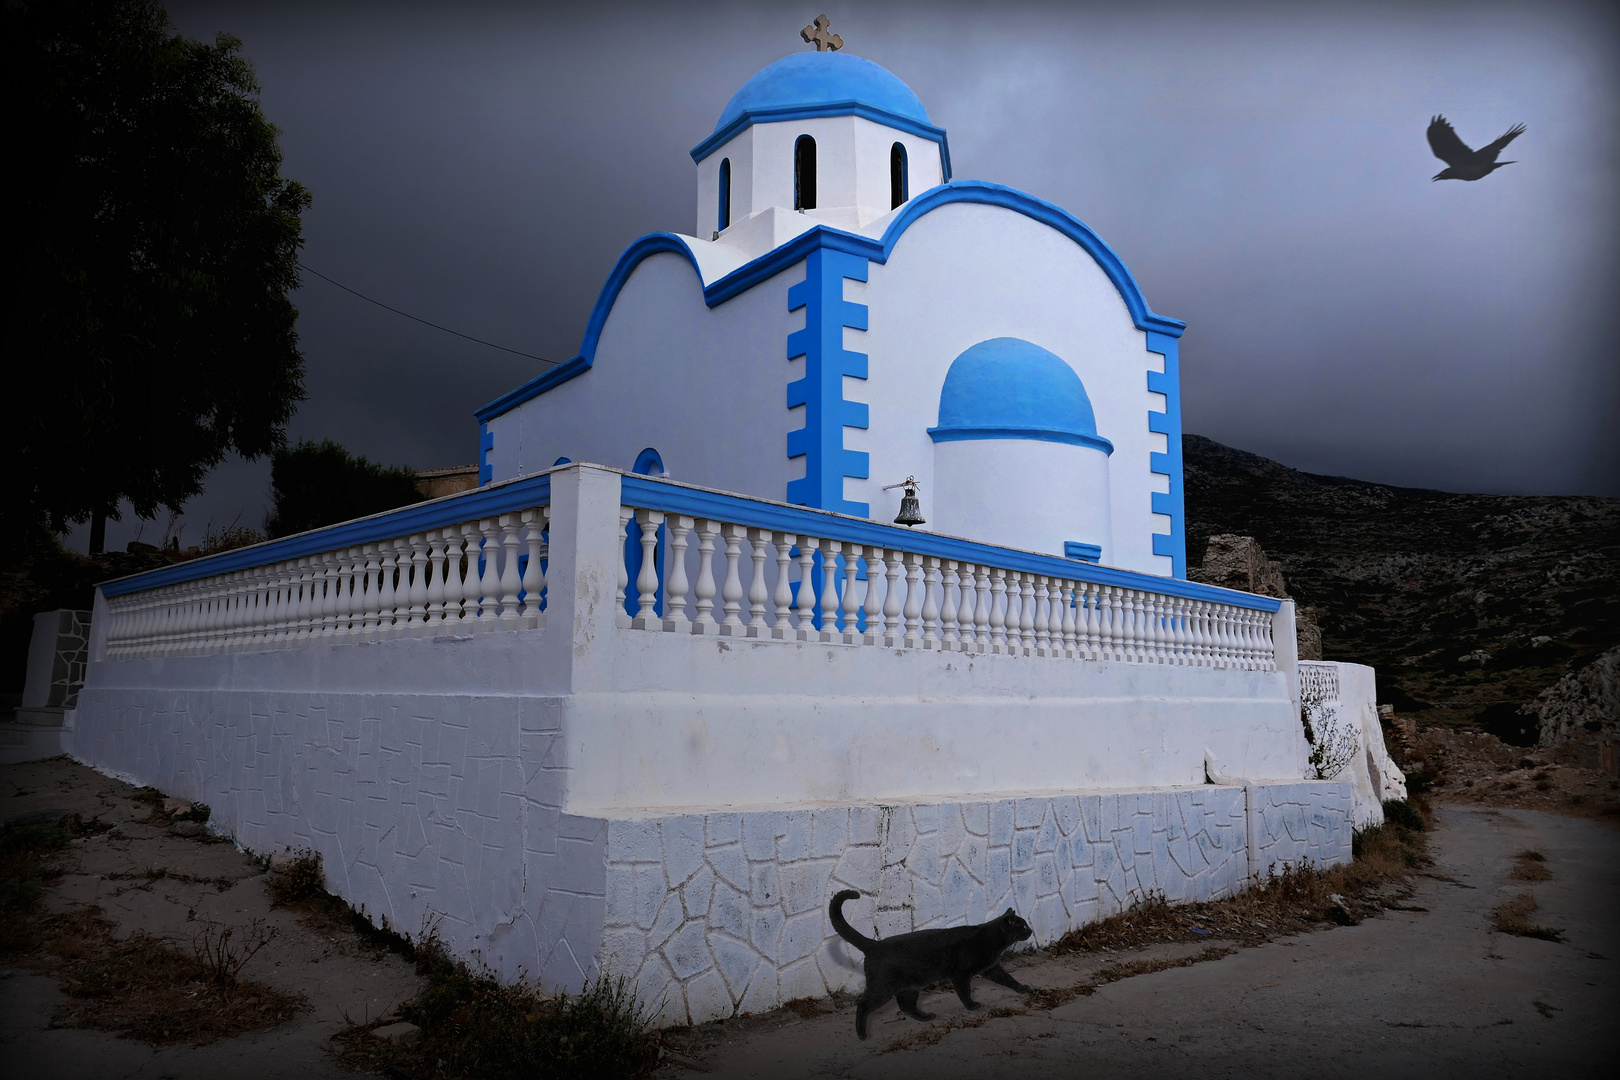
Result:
pixel 821 441
pixel 486 443
pixel 1168 383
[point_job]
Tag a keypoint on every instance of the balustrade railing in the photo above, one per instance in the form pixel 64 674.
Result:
pixel 832 583
pixel 463 576
pixel 1318 682
pixel 690 561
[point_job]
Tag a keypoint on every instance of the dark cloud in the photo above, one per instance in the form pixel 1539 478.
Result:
pixel 1261 169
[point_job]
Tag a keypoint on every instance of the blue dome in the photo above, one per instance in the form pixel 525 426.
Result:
pixel 814 80
pixel 1008 388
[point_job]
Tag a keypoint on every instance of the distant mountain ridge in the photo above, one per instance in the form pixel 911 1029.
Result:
pixel 1468 605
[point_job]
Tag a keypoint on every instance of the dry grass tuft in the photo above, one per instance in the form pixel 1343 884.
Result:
pixel 304 880
pixel 1531 866
pixel 1513 918
pixel 145 988
pixel 1299 899
pixel 474 1026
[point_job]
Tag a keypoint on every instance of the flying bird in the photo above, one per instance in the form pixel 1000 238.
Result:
pixel 1463 163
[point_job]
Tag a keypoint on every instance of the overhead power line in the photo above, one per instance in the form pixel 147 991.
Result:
pixel 416 318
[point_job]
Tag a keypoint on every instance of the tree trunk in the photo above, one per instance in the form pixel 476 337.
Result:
pixel 98 532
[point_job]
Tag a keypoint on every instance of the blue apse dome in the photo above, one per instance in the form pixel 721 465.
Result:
pixel 1009 388
pixel 813 81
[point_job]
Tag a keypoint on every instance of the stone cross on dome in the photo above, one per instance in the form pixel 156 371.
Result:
pixel 816 34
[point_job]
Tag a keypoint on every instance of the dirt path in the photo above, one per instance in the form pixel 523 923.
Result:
pixel 147 878
pixel 1430 993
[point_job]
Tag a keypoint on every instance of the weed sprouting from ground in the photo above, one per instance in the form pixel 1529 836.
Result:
pixel 1513 918
pixel 472 1025
pixel 1404 813
pixel 223 951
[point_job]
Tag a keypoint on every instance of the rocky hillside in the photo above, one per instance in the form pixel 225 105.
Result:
pixel 1469 605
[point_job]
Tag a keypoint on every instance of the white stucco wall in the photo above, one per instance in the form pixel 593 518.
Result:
pixel 980 482
pixel 968 272
pixel 705 387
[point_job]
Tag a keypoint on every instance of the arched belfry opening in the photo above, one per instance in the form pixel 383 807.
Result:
pixel 899 182
pixel 804 173
pixel 724 217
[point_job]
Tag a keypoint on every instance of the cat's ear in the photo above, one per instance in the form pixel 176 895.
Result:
pixel 1010 914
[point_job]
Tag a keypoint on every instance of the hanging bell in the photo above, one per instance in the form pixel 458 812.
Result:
pixel 910 509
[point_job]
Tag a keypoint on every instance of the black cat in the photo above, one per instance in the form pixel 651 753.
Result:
pixel 899 967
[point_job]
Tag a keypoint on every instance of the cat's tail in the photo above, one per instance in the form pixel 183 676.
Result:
pixel 841 924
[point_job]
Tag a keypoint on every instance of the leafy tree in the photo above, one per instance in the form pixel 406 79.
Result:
pixel 152 244
pixel 316 484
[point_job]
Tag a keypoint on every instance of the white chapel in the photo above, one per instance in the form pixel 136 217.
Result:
pixel 845 315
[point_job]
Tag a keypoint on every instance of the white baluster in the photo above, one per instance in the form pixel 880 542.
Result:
pixel 1026 613
pixel 534 571
pixel 894 633
pixel 758 595
pixel 998 610
pixel 731 592
pixel 984 605
pixel 414 602
pixel 703 622
pixel 830 550
pixel 511 580
pixel 647 580
pixel 1070 626
pixel 967 612
pixel 852 607
pixel 782 626
pixel 930 606
pixel 620 617
pixel 435 578
pixel 875 569
pixel 950 629
pixel 454 545
pixel 395 594
pixel 489 582
pixel 806 629
pixel 1043 616
pixel 678 529
pixel 913 608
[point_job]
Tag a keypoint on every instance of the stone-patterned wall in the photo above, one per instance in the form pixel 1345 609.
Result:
pixel 721 913
pixel 62 638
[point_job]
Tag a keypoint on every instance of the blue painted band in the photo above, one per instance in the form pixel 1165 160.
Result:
pixel 524 493
pixel 675 498
pixel 1169 464
pixel 821 391
pixel 823 237
pixel 1096 442
pixel 815 112
pixel 1075 549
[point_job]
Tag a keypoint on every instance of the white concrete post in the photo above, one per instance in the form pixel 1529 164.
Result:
pixel 583 571
pixel 1285 644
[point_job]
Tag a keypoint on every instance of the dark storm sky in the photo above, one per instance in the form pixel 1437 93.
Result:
pixel 1262 169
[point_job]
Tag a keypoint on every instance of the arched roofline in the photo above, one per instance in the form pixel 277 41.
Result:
pixel 776 260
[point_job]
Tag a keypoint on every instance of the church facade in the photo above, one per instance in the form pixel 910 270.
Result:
pixel 847 315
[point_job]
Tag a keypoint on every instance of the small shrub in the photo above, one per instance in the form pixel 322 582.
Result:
pixel 305 879
pixel 1402 812
pixel 223 951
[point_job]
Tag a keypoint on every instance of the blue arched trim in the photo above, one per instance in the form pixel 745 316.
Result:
pixel 649 463
pixel 651 244
pixel 562 461
pixel 1096 442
